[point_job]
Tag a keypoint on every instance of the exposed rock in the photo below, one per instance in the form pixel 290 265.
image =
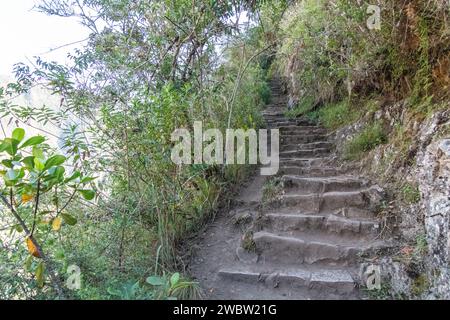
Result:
pixel 434 184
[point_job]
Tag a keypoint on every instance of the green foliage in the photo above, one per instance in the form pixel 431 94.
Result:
pixel 335 115
pixel 328 53
pixel 35 194
pixel 410 193
pixel 305 106
pixel 152 67
pixel 174 287
pixel 372 136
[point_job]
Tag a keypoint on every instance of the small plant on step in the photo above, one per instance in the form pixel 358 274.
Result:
pixel 241 219
pixel 271 190
pixel 247 241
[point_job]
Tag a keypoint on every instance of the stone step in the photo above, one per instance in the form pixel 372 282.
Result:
pixel 307 146
pixel 329 201
pixel 331 224
pixel 285 122
pixel 304 162
pixel 292 129
pixel 320 171
pixel 303 138
pixel 291 250
pixel 322 283
pixel 308 185
pixel 304 153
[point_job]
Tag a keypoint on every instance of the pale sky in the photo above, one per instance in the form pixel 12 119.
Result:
pixel 25 33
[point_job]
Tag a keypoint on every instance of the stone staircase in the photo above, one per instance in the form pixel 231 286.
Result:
pixel 307 242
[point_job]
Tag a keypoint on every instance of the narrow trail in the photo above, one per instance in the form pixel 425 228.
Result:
pixel 305 244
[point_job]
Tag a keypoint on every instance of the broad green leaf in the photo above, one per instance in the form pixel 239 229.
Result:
pixel 156 281
pixel 38 153
pixel 74 175
pixel 87 194
pixel 28 162
pixel 70 220
pixel 18 134
pixel 3 146
pixel 59 173
pixel 174 279
pixel 33 141
pixel 7 163
pixel 12 174
pixel 56 172
pixel 54 161
pixel 39 164
pixel 11 146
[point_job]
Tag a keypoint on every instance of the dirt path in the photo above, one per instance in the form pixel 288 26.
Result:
pixel 305 243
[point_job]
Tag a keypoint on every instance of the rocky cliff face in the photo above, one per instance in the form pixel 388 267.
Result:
pixel 433 163
pixel 423 161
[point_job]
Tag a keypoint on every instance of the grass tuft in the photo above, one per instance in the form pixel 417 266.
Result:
pixel 372 136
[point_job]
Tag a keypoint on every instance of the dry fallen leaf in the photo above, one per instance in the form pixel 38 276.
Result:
pixel 32 248
pixel 26 198
pixel 56 223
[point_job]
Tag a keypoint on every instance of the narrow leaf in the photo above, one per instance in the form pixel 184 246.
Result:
pixel 40 270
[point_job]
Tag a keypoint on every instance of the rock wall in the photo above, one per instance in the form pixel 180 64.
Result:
pixel 411 276
pixel 433 164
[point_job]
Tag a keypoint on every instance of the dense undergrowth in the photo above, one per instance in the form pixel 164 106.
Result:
pixel 147 69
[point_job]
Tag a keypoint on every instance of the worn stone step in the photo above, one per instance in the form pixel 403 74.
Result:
pixel 330 201
pixel 287 130
pixel 280 123
pixel 304 162
pixel 273 114
pixel 331 223
pixel 285 122
pixel 307 146
pixel 316 171
pixel 309 185
pixel 304 153
pixel 323 283
pixel 304 138
pixel 290 250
